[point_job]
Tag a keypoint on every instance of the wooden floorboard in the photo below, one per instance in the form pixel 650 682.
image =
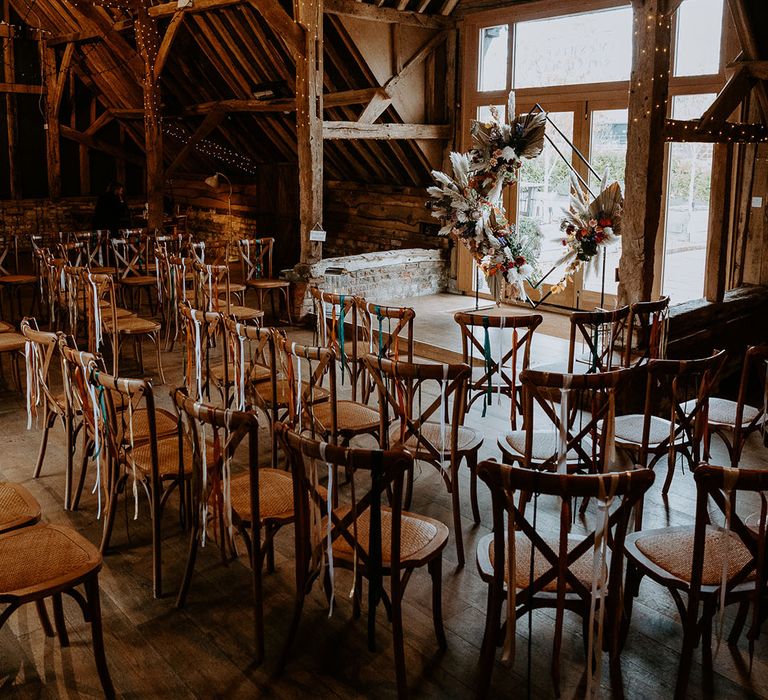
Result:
pixel 206 649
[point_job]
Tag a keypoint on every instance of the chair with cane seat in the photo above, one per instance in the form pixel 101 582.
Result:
pixel 251 501
pixel 375 541
pixel 681 388
pixel 334 312
pixel 646 331
pixel 530 568
pixel 734 421
pixel 602 338
pixel 44 561
pixel 18 507
pixel 434 432
pixel 256 260
pixel 511 358
pixel 213 293
pixel 387 332
pixel 131 253
pixel 713 566
pixel 575 436
pixel 104 320
pixel 13 283
pixel 12 345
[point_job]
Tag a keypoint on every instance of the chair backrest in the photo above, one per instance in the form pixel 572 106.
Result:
pixel 550 560
pixel 387 331
pixel 39 350
pixel 683 388
pixel 384 474
pixel 601 334
pixel 511 357
pixel 337 329
pixel 201 329
pixel 212 287
pixel 583 427
pixel 647 331
pixel 401 386
pixel 130 253
pixel 99 288
pixel 75 293
pixel 754 376
pixel 304 369
pixel 250 350
pixel 74 252
pixel 226 429
pixel 256 257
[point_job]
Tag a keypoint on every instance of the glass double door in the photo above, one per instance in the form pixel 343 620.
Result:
pixel 598 131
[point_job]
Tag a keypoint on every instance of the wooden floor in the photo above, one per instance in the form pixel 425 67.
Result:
pixel 205 650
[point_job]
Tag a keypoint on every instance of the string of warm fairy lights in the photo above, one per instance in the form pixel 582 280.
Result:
pixel 214 150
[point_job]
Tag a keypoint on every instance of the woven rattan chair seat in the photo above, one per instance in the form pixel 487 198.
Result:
pixel 265 283
pixel 105 307
pixel 468 439
pixel 138 281
pixel 165 424
pixel 264 390
pixel 629 430
pixel 582 568
pixel 275 495
pixel 43 557
pixel 245 313
pixel 545 445
pixel 236 287
pixel 6 327
pixel 671 549
pixel 103 270
pixel 258 373
pixel 18 507
pixel 11 341
pixel 167 457
pixel 350 415
pixel 722 412
pixel 133 325
pixel 420 537
pixel 18 279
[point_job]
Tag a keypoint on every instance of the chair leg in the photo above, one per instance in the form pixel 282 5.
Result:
pixel 50 417
pixel 45 621
pixel 94 611
pixel 397 639
pixel 194 536
pixel 457 513
pixel 109 519
pixel 156 340
pixel 87 449
pixel 488 648
pixel 298 607
pixel 471 458
pixel 157 560
pixel 58 620
pixel 435 568
pixel 670 473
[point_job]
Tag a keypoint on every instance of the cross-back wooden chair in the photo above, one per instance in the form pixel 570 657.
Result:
pixel 20 507
pixel 386 331
pixel 43 400
pixel 213 293
pixel 95 255
pixel 316 408
pixel 73 252
pixel 12 283
pixel 11 346
pixel 646 335
pixel 576 435
pixel 256 502
pixel 104 322
pixel 500 376
pixel 681 390
pixel 428 401
pixel 203 352
pixel 334 312
pixel 139 443
pixel 256 260
pixel 529 568
pixel 595 343
pixel 45 561
pixel 131 253
pixel 734 421
pixel 373 540
pixel 713 565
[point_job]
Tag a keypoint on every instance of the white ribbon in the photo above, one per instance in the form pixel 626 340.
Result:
pixel 562 444
pixel 298 382
pixel 443 409
pixel 329 526
pixel 198 360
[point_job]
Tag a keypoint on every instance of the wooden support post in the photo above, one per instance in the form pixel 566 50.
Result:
pixel 720 209
pixel 309 124
pixel 648 90
pixel 9 77
pixel 52 140
pixel 451 58
pixel 148 44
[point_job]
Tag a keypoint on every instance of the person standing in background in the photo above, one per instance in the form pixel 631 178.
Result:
pixel 111 211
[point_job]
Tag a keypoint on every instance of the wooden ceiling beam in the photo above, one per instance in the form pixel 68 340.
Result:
pixel 356 130
pixel 361 10
pixel 282 24
pixel 22 89
pixel 73 38
pixel 165 45
pixel 280 105
pixel 728 99
pixel 171 8
pixel 343 98
pixel 694 131
pixel 61 77
pixel 211 122
pixel 749 47
pixel 99 123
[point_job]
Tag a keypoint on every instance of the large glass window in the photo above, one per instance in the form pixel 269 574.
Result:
pixel 697 45
pixel 494 47
pixel 687 207
pixel 592 47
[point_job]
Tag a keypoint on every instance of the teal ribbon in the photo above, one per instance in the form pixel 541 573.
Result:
pixel 102 409
pixel 341 338
pixel 374 547
pixel 488 357
pixel 381 331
